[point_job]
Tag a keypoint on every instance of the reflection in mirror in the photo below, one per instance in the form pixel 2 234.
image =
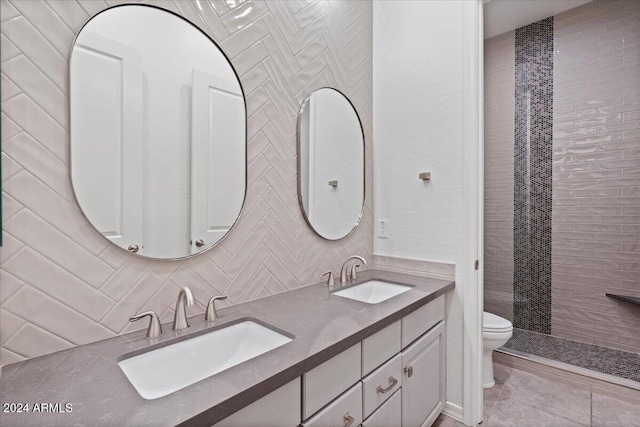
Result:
pixel 330 164
pixel 158 139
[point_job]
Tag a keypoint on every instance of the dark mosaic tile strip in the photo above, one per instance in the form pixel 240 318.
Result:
pixel 605 360
pixel 533 129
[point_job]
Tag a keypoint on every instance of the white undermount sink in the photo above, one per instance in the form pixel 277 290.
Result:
pixel 167 369
pixel 373 291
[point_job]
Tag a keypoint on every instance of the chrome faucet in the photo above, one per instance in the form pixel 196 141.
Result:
pixel 211 314
pixel 185 298
pixel 343 272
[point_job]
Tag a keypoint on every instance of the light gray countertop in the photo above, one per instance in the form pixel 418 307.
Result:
pixel 89 378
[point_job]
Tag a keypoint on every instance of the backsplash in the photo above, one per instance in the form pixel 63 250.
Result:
pixel 62 284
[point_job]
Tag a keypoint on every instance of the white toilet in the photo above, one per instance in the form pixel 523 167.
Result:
pixel 496 331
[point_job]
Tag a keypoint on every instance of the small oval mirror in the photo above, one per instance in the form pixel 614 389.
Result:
pixel 158 132
pixel 330 164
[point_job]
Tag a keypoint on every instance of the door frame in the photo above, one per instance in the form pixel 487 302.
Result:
pixel 473 291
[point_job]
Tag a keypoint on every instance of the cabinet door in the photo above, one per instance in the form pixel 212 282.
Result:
pixel 423 385
pixel 218 152
pixel 280 408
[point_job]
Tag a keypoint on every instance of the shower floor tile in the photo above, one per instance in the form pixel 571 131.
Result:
pixel 605 360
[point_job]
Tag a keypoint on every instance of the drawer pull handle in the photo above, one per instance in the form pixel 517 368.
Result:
pixel 348 420
pixel 392 384
pixel 409 371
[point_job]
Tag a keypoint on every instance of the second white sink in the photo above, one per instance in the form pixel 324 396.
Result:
pixel 373 291
pixel 167 369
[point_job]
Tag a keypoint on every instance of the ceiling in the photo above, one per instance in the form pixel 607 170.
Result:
pixel 501 16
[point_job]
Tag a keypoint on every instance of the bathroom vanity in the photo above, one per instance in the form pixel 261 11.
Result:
pixel 347 363
pixel 159 168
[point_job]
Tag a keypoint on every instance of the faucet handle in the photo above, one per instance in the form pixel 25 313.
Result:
pixel 330 281
pixel 155 329
pixel 354 276
pixel 211 314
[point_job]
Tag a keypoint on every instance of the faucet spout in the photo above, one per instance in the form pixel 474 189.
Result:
pixel 185 298
pixel 345 267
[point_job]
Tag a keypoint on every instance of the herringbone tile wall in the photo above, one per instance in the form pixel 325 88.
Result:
pixel 62 284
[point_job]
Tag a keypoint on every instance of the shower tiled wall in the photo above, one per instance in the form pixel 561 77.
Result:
pixel 499 111
pixel 533 126
pixel 61 283
pixel 596 173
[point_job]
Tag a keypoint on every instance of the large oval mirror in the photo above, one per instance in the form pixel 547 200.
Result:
pixel 330 164
pixel 158 132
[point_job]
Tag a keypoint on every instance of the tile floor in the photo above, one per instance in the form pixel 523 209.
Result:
pixel 521 399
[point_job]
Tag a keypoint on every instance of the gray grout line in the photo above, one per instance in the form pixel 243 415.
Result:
pixel 591 405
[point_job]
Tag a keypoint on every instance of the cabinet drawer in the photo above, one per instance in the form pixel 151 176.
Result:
pixel 279 408
pixel 345 410
pixel 421 320
pixel 380 347
pixel 324 382
pixel 389 414
pixel 381 384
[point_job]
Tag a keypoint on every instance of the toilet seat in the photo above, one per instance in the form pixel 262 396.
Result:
pixel 495 324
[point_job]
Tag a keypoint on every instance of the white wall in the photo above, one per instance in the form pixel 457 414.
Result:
pixel 419 103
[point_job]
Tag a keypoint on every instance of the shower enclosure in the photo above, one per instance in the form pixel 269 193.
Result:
pixel 562 186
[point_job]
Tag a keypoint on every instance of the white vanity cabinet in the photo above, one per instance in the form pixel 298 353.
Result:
pixel 395 377
pixel 280 408
pixel 402 380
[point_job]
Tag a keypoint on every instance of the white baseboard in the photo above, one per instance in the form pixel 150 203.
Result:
pixel 454 411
